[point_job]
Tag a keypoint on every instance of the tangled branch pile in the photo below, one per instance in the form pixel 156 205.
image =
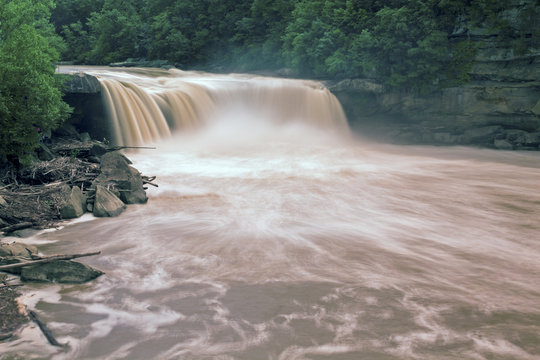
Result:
pixel 34 196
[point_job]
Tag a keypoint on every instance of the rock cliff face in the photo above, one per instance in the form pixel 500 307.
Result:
pixel 81 83
pixel 499 107
pixel 83 94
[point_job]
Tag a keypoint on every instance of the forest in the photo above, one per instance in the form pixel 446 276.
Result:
pixel 403 43
pixel 416 45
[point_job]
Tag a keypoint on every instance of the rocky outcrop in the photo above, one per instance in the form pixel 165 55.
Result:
pixel 498 108
pixel 81 83
pixel 121 179
pixel 83 94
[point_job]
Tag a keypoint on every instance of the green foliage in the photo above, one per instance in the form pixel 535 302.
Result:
pixel 405 44
pixel 29 92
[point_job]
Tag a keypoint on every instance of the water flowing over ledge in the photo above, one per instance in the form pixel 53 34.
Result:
pixel 145 105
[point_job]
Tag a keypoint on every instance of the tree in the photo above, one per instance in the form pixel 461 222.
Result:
pixel 30 97
pixel 116 32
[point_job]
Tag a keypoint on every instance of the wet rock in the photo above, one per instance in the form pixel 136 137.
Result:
pixel 122 179
pixel 74 202
pixel 61 271
pixel 107 204
pixel 11 254
pixel 17 249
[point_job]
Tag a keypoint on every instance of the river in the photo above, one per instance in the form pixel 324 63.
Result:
pixel 290 240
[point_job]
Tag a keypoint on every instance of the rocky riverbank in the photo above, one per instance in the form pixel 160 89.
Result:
pixel 72 176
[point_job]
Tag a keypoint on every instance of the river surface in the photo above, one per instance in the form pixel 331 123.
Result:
pixel 286 241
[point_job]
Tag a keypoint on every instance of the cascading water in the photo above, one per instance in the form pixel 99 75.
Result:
pixel 148 108
pixel 275 234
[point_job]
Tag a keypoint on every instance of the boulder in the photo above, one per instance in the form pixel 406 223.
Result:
pixel 17 249
pixel 74 202
pixel 122 179
pixel 106 203
pixel 98 150
pixel 61 271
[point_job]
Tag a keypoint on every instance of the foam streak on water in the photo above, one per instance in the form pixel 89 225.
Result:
pixel 280 241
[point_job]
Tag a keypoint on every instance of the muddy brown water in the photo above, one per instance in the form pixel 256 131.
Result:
pixel 285 240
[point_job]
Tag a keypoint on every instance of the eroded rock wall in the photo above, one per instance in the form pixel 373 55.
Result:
pixel 499 107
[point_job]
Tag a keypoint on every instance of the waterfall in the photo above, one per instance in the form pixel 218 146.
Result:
pixel 147 105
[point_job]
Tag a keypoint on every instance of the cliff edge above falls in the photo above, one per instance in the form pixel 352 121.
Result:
pixel 81 83
pixel 498 108
pixel 83 94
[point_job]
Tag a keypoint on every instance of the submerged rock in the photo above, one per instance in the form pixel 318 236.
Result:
pixel 61 271
pixel 107 203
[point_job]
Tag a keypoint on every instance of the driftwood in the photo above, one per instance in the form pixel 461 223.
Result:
pixel 148 180
pixel 45 260
pixel 19 226
pixel 48 334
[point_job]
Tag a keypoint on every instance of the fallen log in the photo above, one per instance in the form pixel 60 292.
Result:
pixel 15 227
pixel 45 260
pixel 48 334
